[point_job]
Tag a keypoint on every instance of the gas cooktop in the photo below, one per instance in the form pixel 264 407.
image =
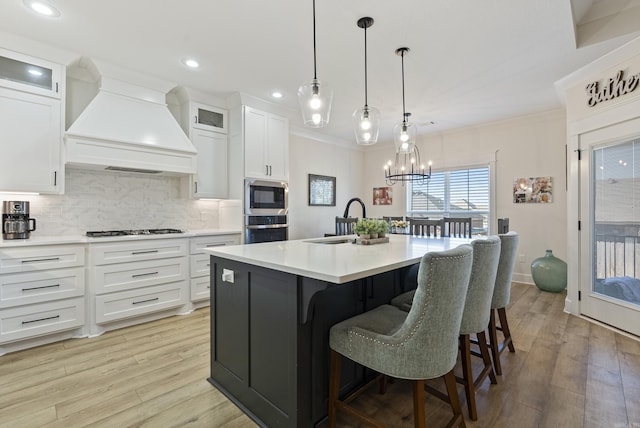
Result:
pixel 107 233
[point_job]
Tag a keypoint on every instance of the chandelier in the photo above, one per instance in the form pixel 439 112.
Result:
pixel 407 166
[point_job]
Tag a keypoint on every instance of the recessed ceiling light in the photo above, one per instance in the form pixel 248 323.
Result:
pixel 42 8
pixel 191 63
pixel 276 94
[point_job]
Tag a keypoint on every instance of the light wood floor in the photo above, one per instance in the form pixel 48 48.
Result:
pixel 566 372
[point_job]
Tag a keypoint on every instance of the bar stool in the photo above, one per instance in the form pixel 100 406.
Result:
pixel 418 345
pixel 344 226
pixel 486 254
pixel 501 296
pixel 477 308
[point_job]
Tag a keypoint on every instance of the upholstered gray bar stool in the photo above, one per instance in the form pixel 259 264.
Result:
pixel 475 318
pixel 501 295
pixel 418 345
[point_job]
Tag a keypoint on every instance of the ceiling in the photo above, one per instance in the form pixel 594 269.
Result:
pixel 470 62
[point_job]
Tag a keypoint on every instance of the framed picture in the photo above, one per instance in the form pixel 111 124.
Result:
pixel 382 196
pixel 322 190
pixel 533 190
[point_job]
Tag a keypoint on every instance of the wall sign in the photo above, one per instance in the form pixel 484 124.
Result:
pixel 615 87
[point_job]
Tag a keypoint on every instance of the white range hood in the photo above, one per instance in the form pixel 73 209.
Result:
pixel 128 127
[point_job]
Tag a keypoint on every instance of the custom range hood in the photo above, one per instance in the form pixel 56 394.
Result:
pixel 128 127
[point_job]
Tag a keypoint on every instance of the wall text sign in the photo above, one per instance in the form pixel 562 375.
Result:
pixel 615 87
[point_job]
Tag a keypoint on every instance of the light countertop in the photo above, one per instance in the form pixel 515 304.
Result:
pixel 81 239
pixel 338 262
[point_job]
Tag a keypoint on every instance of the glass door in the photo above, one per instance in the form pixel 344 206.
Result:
pixel 610 237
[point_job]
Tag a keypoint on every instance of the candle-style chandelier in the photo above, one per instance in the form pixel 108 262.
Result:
pixel 406 166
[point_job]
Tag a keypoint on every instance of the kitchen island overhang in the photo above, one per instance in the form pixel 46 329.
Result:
pixel 272 305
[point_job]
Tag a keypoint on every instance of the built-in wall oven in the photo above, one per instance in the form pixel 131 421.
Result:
pixel 266 211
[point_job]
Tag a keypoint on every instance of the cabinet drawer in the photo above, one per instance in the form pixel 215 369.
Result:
pixel 200 265
pixel 140 250
pixel 197 244
pixel 39 258
pixel 35 287
pixel 126 304
pixel 200 288
pixel 125 276
pixel 41 319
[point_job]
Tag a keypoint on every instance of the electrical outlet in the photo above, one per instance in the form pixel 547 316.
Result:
pixel 521 258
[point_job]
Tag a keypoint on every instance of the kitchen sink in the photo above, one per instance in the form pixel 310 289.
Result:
pixel 330 241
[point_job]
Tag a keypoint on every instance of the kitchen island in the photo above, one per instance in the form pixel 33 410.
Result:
pixel 272 305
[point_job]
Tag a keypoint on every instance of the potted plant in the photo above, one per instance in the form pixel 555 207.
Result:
pixel 382 228
pixel 361 228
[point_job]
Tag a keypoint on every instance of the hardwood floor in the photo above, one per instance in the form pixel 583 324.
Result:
pixel 566 372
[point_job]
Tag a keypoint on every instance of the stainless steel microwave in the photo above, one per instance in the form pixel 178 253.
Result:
pixel 264 197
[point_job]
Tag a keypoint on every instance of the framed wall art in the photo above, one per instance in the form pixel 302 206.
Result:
pixel 533 190
pixel 382 196
pixel 322 190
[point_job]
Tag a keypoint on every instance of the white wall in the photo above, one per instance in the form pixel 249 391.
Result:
pixel 530 146
pixel 307 156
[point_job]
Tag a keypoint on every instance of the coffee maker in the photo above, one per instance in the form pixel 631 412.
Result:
pixel 16 223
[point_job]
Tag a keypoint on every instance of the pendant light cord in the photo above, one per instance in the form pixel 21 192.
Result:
pixel 365 67
pixel 404 114
pixel 315 74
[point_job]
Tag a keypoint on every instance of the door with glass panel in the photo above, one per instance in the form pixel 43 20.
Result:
pixel 610 236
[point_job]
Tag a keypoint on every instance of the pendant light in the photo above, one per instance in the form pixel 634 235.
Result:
pixel 404 133
pixel 315 97
pixel 407 166
pixel 366 120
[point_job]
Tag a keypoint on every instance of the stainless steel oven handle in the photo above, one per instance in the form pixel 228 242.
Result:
pixel 267 226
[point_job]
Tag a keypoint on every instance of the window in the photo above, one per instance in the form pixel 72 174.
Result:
pixel 454 193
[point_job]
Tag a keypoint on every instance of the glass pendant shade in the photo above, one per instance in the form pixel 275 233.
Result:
pixel 314 99
pixel 404 137
pixel 366 125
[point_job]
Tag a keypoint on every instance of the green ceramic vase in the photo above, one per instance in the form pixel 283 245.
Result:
pixel 549 273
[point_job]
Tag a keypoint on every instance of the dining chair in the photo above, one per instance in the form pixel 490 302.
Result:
pixel 475 318
pixel 416 345
pixel 500 300
pixel 344 226
pixel 426 227
pixel 457 227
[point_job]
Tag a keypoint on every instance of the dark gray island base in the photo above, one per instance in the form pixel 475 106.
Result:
pixel 270 337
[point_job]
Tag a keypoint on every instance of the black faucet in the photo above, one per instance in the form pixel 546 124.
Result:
pixel 346 210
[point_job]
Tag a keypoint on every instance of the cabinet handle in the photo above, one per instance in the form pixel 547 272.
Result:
pixel 143 252
pixel 52 259
pixel 145 301
pixel 208 287
pixel 221 244
pixel 40 288
pixel 56 87
pixel 266 167
pixel 195 119
pixel 41 319
pixel 143 274
pixel 55 178
pixel 270 170
pixel 196 183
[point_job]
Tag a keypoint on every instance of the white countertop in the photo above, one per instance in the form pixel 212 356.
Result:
pixel 336 263
pixel 81 239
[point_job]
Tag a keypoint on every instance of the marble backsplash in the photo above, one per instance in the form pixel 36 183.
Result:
pixel 99 200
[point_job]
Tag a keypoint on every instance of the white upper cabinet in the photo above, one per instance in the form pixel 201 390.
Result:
pixel 208 118
pixel 266 145
pixel 206 127
pixel 24 73
pixel 31 124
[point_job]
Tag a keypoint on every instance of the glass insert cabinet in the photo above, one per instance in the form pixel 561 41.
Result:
pixel 29 74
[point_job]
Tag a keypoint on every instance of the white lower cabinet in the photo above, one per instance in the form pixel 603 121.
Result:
pixel 135 282
pixel 42 292
pixel 200 268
